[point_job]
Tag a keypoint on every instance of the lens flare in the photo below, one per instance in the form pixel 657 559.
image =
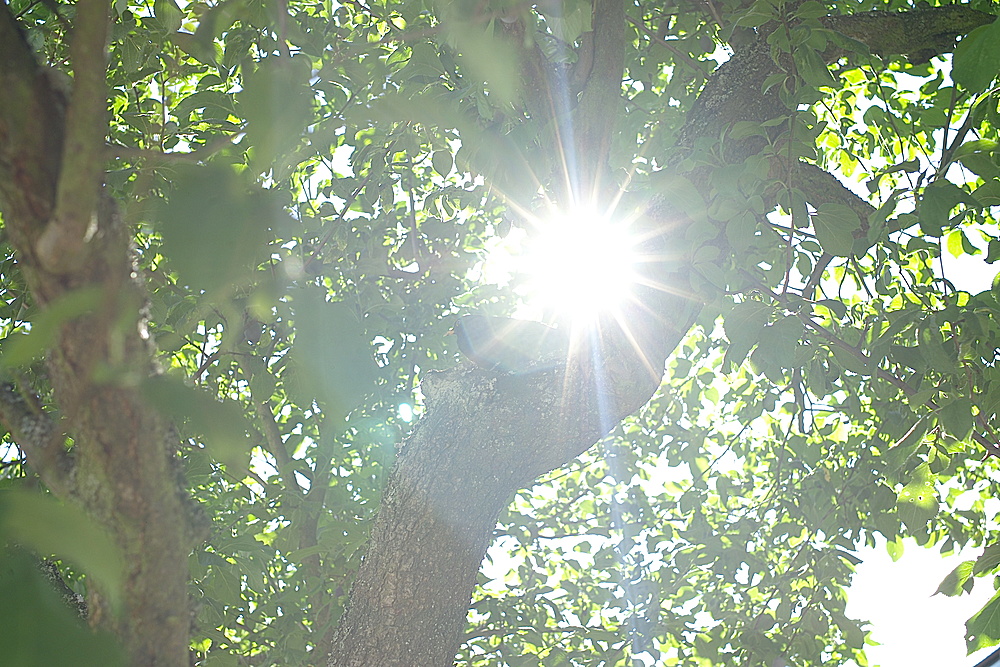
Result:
pixel 579 267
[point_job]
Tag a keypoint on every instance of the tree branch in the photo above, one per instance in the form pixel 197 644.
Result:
pixel 919 33
pixel 41 439
pixel 272 434
pixel 30 133
pixel 482 437
pixel 122 448
pixel 594 120
pixel 61 245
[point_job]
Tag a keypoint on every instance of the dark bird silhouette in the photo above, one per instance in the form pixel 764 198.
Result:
pixel 507 345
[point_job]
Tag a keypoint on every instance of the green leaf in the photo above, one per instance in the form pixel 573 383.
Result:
pixel 744 128
pixel 812 68
pixel 957 418
pixel 975 146
pixel 777 346
pixel 168 14
pixel 958 243
pixel 995 285
pixel 743 326
pixel 980 163
pixel 988 561
pixel 221 423
pixel 895 548
pixel 50 527
pixel 938 199
pixel 570 20
pixel 908 166
pixel 333 358
pixel 680 192
pixel 977 58
pixel 214 228
pixel 442 161
pixel 917 503
pixel 837 308
pixel 983 629
pixel 955 583
pixel 38 628
pixel 992 255
pixel 836 226
pixel 217 20
pixel 851 361
pixel 988 194
pixel 740 229
pixel 277 103
pixel 757 16
pixel 810 10
pixel 199 49
pixel 487 59
pixel 216 104
pixel 21 349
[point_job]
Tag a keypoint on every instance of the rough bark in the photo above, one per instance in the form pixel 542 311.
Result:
pixel 120 467
pixel 484 437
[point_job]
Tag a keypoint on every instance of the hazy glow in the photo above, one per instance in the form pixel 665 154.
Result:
pixel 579 266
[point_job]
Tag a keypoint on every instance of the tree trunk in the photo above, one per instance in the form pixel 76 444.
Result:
pixel 121 467
pixel 484 437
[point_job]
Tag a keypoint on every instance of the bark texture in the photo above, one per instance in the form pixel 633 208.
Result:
pixel 120 467
pixel 482 438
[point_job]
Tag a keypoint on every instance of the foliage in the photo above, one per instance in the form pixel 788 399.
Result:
pixel 313 188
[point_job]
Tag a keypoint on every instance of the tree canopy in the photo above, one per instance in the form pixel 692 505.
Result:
pixel 236 236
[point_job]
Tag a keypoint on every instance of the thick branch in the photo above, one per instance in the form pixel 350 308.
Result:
pixel 482 438
pixel 124 474
pixel 821 187
pixel 124 449
pixel 61 244
pixel 485 436
pixel 600 103
pixel 581 121
pixel 30 132
pixel 919 33
pixel 733 92
pixel 40 438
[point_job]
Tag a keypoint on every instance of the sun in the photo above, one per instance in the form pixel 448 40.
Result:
pixel 578 267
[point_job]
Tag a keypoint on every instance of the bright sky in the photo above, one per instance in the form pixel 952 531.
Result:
pixel 970 273
pixel 913 626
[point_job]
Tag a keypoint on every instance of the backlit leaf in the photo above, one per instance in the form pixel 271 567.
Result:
pixel 977 57
pixel 836 226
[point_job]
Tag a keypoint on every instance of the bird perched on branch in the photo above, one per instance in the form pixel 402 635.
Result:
pixel 507 345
